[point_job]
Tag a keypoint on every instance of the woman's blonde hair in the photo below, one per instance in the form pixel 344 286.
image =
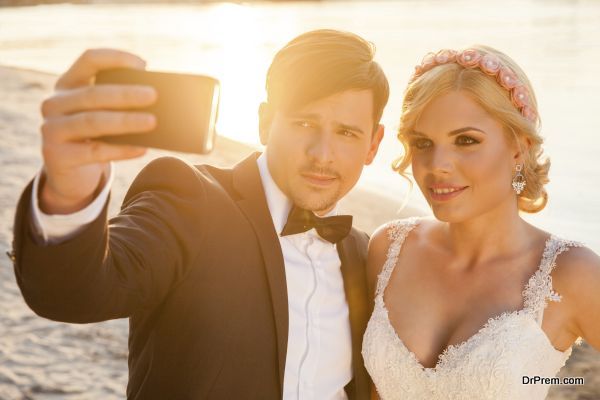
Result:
pixel 496 100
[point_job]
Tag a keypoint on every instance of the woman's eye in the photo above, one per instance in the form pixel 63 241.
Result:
pixel 421 143
pixel 465 141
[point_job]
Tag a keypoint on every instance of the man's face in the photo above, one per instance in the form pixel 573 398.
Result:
pixel 316 153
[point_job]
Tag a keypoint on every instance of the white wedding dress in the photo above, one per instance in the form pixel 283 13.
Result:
pixel 490 364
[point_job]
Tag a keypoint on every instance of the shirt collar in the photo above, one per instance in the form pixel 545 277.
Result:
pixel 279 204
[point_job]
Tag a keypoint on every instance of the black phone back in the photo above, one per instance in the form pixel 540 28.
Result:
pixel 186 109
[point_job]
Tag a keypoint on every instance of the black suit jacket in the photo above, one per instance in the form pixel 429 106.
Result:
pixel 194 261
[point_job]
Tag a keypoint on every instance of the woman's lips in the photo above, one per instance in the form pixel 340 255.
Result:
pixel 445 193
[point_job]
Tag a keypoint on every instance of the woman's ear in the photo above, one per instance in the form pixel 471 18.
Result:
pixel 265 116
pixel 522 146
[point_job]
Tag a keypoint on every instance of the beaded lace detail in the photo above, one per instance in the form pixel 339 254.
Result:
pixel 488 365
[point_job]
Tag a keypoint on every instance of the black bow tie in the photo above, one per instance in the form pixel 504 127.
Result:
pixel 333 229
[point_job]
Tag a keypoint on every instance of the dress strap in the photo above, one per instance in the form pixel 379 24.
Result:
pixel 539 289
pixel 397 232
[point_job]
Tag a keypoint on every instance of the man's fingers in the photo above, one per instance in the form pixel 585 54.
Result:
pixel 110 97
pixel 94 60
pixel 94 151
pixel 92 124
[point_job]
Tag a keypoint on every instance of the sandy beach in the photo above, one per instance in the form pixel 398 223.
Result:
pixel 42 359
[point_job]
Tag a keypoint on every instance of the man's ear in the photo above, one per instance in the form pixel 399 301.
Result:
pixel 376 138
pixel 265 116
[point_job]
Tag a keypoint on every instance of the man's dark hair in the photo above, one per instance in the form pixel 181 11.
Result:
pixel 321 63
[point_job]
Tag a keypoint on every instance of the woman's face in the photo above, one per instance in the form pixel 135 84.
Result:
pixel 462 160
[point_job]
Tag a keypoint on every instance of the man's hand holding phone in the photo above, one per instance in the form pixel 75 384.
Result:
pixel 75 115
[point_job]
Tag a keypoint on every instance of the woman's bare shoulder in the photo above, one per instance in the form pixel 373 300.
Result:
pixel 577 266
pixel 577 279
pixel 386 234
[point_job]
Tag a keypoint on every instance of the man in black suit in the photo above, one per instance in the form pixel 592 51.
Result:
pixel 239 283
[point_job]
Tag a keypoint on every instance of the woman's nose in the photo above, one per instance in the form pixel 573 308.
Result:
pixel 441 160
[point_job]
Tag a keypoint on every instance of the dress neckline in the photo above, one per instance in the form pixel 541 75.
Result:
pixel 451 349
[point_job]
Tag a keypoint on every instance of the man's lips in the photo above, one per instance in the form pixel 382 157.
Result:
pixel 443 192
pixel 318 179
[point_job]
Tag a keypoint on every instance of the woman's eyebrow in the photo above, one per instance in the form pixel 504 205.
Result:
pixel 451 133
pixel 416 133
pixel 465 129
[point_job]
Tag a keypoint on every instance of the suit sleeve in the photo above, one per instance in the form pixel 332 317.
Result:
pixel 112 269
pixel 58 228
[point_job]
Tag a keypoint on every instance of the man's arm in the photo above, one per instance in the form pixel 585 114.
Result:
pixel 112 269
pixel 56 228
pixel 107 270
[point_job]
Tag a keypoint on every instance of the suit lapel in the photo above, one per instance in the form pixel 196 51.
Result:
pixel 352 252
pixel 355 286
pixel 253 203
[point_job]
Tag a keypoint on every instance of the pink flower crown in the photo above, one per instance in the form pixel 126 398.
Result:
pixel 490 65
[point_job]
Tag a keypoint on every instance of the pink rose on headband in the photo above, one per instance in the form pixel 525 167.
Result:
pixel 428 62
pixel 468 58
pixel 519 97
pixel 445 56
pixel 418 72
pixel 507 78
pixel 490 64
pixel 528 113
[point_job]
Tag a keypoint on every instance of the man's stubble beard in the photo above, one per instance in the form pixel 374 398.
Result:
pixel 315 201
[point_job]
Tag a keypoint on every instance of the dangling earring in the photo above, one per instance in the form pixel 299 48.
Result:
pixel 518 182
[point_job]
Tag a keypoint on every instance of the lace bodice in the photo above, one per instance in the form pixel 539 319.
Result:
pixel 490 364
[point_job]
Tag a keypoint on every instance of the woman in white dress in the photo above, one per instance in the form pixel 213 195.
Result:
pixel 475 303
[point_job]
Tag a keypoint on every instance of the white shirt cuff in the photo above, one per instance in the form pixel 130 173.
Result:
pixel 56 228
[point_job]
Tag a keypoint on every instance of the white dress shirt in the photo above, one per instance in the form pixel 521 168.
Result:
pixel 319 352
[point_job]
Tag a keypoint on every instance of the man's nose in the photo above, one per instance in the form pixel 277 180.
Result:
pixel 321 148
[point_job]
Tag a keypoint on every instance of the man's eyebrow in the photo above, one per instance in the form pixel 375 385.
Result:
pixel 451 133
pixel 304 115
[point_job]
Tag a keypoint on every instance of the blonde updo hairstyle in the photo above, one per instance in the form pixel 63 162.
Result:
pixel 495 99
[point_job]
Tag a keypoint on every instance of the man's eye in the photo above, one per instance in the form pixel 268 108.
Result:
pixel 465 141
pixel 421 144
pixel 304 124
pixel 347 133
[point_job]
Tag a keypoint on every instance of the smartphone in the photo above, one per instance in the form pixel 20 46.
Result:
pixel 186 109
